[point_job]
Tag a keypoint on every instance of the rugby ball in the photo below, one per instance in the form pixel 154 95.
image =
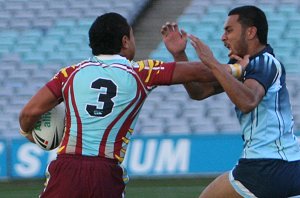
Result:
pixel 49 130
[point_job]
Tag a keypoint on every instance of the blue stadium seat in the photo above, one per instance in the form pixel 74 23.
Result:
pixel 58 5
pixel 5 15
pixel 36 5
pixel 72 13
pixel 42 23
pixel 80 4
pixel 27 14
pixel 86 22
pixel 32 33
pixel 34 57
pixel 151 130
pixel 49 14
pixel 58 31
pixel 66 23
pixel 178 128
pixel 44 47
pixel 77 56
pixel 287 9
pixel 219 10
pixel 20 24
pixel 206 127
pixel 13 5
pixel 104 5
pixel 75 39
pixel 10 41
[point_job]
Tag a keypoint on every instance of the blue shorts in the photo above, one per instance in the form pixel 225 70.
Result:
pixel 266 178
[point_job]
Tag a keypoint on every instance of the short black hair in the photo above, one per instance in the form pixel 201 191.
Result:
pixel 106 33
pixel 253 16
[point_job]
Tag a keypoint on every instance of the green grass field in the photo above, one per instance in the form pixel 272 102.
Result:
pixel 136 188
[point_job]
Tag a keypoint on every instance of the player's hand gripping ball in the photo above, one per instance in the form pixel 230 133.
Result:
pixel 49 130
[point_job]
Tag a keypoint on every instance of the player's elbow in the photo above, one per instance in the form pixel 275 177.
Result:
pixel 197 96
pixel 247 108
pixel 193 97
pixel 248 104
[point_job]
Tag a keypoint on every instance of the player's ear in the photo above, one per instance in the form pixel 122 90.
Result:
pixel 125 42
pixel 251 32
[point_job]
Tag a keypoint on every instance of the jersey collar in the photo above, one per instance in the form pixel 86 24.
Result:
pixel 110 57
pixel 267 49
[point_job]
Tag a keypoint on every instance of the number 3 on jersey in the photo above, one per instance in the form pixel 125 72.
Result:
pixel 105 99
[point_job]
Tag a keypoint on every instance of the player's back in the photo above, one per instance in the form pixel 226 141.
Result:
pixel 101 97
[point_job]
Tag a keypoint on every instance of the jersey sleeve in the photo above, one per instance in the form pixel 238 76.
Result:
pixel 57 82
pixel 263 70
pixel 153 72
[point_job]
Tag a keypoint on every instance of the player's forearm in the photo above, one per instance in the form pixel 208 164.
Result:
pixel 238 93
pixel 200 91
pixel 180 56
pixel 194 89
pixel 27 120
pixel 205 73
pixel 40 103
pixel 26 125
pixel 185 72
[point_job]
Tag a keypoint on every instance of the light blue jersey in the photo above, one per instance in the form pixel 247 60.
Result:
pixel 268 129
pixel 103 97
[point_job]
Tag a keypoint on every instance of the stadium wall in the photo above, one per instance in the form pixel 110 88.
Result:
pixel 162 156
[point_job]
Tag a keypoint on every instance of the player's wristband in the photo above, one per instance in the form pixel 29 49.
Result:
pixel 23 133
pixel 236 70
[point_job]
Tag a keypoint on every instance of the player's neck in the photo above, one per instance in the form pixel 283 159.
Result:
pixel 255 49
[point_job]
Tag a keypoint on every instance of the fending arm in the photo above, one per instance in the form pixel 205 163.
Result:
pixel 175 41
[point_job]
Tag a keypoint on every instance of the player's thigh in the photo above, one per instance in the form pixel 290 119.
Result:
pixel 62 182
pixel 220 188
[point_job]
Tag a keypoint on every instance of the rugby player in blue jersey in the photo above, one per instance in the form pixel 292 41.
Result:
pixel 269 166
pixel 103 96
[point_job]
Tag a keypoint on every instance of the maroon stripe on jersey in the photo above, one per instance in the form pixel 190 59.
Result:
pixel 126 125
pixel 68 122
pixel 78 149
pixel 69 89
pixel 108 129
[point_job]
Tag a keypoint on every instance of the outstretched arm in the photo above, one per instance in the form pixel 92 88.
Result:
pixel 245 96
pixel 175 42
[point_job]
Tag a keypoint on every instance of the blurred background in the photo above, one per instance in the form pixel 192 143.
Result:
pixel 174 135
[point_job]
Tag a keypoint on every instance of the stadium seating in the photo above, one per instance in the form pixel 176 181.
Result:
pixel 39 37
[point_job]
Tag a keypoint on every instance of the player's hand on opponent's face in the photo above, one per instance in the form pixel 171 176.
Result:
pixel 203 51
pixel 207 57
pixel 175 40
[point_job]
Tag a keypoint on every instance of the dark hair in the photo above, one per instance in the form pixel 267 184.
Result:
pixel 106 33
pixel 253 16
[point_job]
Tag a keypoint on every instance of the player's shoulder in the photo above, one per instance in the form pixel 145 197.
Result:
pixel 66 71
pixel 263 61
